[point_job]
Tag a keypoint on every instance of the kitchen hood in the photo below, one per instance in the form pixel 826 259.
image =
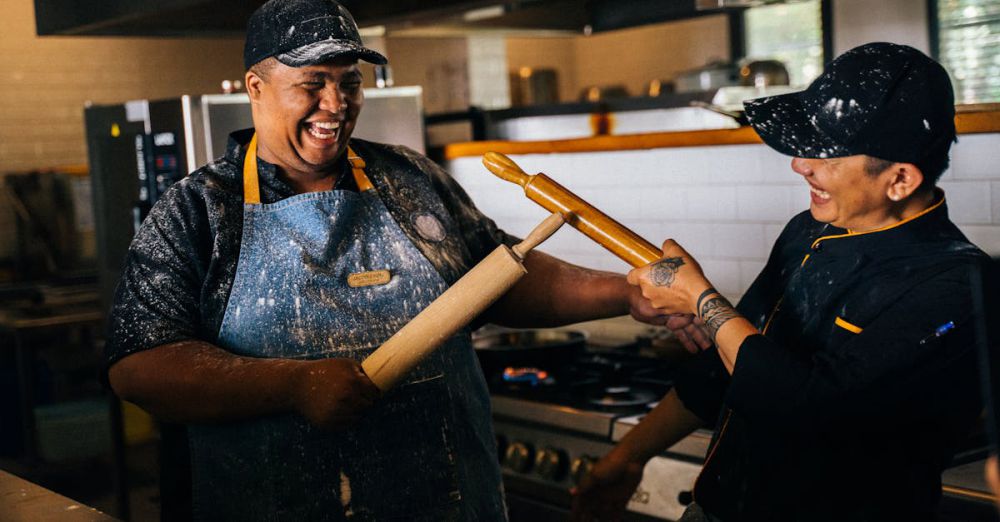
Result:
pixel 209 18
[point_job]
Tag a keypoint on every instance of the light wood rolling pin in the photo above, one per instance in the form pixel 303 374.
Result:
pixel 455 308
pixel 581 215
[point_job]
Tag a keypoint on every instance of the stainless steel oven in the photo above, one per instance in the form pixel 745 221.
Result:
pixel 553 423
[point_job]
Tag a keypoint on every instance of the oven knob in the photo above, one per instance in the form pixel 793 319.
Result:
pixel 519 457
pixel 581 467
pixel 551 463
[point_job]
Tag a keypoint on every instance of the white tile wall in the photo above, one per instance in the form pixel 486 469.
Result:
pixel 995 201
pixel 739 241
pixel 976 156
pixel 985 237
pixel 726 204
pixel 767 203
pixel 968 201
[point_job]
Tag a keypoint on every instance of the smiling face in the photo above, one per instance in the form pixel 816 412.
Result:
pixel 305 115
pixel 845 195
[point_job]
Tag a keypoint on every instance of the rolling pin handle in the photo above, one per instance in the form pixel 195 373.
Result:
pixel 505 168
pixel 540 233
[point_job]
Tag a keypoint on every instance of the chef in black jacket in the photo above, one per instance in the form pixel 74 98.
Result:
pixel 842 382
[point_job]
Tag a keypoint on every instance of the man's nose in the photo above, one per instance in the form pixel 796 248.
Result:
pixel 802 166
pixel 331 100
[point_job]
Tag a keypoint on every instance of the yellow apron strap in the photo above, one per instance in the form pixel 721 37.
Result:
pixel 251 186
pixel 358 168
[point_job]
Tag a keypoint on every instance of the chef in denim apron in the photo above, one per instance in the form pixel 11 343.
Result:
pixel 258 283
pixel 414 455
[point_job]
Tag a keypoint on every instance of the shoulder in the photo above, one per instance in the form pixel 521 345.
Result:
pixel 196 205
pixel 383 155
pixel 220 175
pixel 218 179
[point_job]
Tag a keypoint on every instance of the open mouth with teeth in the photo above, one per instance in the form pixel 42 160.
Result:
pixel 323 130
pixel 821 195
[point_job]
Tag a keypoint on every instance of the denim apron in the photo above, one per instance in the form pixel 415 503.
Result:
pixel 425 451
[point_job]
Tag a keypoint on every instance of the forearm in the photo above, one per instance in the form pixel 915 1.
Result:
pixel 195 381
pixel 661 428
pixel 555 292
pixel 724 324
pixel 730 337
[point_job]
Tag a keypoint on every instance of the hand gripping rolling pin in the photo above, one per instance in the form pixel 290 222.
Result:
pixel 582 216
pixel 455 308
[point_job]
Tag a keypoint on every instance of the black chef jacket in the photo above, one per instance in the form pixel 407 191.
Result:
pixel 848 407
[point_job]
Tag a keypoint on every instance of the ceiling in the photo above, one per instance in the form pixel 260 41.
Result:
pixel 209 18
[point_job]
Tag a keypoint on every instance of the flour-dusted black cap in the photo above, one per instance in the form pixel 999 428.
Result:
pixel 304 32
pixel 880 99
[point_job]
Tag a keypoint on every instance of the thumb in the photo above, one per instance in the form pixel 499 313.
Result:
pixel 634 275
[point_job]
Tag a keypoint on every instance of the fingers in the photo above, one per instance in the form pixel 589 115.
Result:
pixel 690 331
pixel 673 249
pixel 634 275
pixel 698 335
pixel 679 321
pixel 689 345
pixel 335 393
pixel 365 388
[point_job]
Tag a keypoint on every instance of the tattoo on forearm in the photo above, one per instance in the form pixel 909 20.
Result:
pixel 702 297
pixel 716 312
pixel 662 272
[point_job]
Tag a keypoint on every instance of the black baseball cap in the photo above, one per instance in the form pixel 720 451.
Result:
pixel 881 99
pixel 304 32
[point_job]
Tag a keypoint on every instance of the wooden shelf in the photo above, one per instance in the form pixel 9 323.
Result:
pixel 971 119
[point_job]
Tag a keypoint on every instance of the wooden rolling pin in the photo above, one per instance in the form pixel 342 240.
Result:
pixel 455 308
pixel 581 215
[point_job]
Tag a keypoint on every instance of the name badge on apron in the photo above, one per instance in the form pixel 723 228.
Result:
pixel 376 277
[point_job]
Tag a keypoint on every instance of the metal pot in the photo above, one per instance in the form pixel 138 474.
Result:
pixel 763 73
pixel 544 349
pixel 706 78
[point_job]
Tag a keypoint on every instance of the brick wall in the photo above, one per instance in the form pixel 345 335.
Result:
pixel 44 82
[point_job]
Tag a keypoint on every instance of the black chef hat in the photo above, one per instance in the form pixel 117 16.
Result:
pixel 880 99
pixel 304 32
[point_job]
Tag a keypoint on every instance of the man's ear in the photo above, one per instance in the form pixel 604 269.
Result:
pixel 253 83
pixel 905 179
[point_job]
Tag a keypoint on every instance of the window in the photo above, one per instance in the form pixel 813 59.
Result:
pixel 969 48
pixel 792 33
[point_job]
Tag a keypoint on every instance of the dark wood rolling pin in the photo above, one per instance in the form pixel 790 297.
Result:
pixel 455 308
pixel 581 215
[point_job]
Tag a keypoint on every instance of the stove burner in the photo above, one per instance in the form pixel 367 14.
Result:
pixel 532 376
pixel 619 396
pixel 612 381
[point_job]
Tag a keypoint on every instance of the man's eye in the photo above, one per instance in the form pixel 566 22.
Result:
pixel 313 85
pixel 351 86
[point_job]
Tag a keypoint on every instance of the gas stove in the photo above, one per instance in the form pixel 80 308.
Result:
pixel 552 424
